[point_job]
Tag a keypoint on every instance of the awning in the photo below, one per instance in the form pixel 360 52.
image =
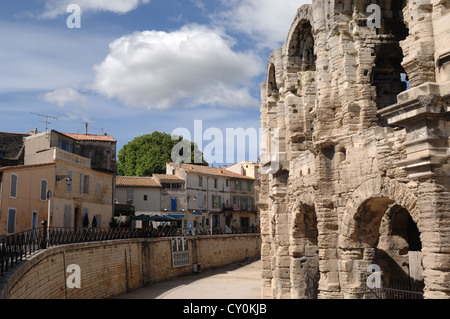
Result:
pixel 154 218
pixel 176 215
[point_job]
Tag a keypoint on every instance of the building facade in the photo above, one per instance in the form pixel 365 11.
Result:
pixel 213 199
pixel 356 170
pixel 195 196
pixel 79 193
pixel 23 196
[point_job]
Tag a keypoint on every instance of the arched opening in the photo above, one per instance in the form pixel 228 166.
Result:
pixel 305 272
pixel 390 239
pixel 388 75
pixel 301 48
pixel 272 87
pixel 399 250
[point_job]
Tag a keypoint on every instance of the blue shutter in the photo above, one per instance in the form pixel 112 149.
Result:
pixel 173 204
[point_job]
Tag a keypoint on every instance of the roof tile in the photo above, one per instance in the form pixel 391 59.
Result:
pixel 215 171
pixel 132 181
pixel 91 137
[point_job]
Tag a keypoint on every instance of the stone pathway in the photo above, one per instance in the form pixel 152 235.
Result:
pixel 237 281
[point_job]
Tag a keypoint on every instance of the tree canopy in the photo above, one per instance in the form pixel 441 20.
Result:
pixel 148 154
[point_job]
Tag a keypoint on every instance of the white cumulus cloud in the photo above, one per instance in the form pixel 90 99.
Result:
pixel 64 95
pixel 54 8
pixel 266 21
pixel 192 66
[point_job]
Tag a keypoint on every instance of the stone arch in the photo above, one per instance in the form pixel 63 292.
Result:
pixel 370 233
pixel 304 249
pixel 272 86
pixel 300 48
pixel 394 192
pixel 385 235
pixel 388 75
pixel 299 45
pixel 399 249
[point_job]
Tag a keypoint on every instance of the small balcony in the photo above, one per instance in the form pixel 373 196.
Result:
pixel 61 155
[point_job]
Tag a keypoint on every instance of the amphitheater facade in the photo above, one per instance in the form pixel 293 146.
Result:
pixel 356 169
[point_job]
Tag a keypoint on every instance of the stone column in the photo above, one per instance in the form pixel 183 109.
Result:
pixel 434 224
pixel 418 47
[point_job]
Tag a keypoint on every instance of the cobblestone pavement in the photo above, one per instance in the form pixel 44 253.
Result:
pixel 237 281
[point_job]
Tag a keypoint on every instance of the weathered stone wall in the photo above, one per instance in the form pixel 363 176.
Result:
pixel 111 268
pixel 359 164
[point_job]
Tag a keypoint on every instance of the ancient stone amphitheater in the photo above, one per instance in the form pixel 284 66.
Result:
pixel 356 171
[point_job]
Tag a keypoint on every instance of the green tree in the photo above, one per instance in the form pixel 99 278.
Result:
pixel 148 154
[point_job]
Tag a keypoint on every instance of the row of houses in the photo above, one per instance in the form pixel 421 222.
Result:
pixel 196 196
pixel 71 180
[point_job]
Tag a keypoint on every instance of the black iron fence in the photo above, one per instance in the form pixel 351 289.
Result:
pixel 18 246
pixel 397 291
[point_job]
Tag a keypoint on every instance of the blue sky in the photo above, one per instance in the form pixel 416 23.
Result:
pixel 137 66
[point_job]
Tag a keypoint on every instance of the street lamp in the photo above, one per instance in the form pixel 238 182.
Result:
pixel 67 177
pixel 49 196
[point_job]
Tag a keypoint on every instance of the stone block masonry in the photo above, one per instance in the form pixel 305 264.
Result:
pixel 111 268
pixel 361 116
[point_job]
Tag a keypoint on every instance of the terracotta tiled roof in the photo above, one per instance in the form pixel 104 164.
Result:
pixel 132 181
pixel 214 171
pixel 91 137
pixel 167 178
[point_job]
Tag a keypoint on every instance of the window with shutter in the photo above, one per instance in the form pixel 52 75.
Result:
pixel 87 178
pixel 81 183
pixel 200 200
pixel 43 189
pixel 130 196
pixel 11 228
pixel 85 184
pixel 173 205
pixel 13 186
pixel 67 216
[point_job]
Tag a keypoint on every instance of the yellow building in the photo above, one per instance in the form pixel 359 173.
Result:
pixel 23 196
pixel 77 189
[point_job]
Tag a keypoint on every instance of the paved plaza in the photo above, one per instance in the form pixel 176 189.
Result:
pixel 237 281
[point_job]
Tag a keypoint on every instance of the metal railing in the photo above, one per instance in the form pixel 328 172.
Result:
pixel 397 291
pixel 18 246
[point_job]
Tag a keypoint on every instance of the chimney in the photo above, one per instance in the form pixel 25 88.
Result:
pixel 86 128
